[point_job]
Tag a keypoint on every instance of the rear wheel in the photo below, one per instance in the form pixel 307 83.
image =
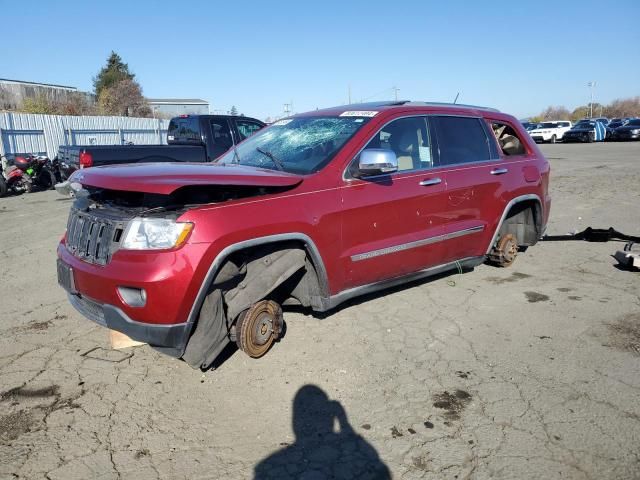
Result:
pixel 259 327
pixel 505 251
pixel 47 179
pixel 3 186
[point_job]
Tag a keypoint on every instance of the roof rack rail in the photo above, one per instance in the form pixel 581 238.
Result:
pixel 446 104
pixel 381 103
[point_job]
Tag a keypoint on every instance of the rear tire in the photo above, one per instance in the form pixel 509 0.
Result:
pixel 3 187
pixel 47 179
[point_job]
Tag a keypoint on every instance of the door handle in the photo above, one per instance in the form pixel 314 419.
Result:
pixel 430 181
pixel 499 171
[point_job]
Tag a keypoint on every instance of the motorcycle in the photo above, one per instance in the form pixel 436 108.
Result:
pixel 12 178
pixel 39 170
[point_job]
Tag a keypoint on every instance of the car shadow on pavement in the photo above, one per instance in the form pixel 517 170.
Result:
pixel 353 302
pixel 319 451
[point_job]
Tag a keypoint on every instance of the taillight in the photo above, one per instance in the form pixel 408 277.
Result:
pixel 86 160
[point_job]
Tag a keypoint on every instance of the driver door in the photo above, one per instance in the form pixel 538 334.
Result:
pixel 392 224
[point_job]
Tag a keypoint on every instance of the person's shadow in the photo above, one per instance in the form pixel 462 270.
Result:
pixel 319 451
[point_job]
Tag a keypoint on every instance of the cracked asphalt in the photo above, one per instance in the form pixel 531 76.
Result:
pixel 520 373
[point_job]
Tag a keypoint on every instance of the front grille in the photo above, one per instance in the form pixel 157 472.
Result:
pixel 92 238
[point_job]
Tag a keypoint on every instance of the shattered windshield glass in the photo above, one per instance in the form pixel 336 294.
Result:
pixel 300 145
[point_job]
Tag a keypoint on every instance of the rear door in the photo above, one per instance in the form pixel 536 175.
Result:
pixel 220 139
pixel 392 224
pixel 476 178
pixel 245 128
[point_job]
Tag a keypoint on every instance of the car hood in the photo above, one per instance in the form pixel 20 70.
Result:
pixel 165 178
pixel 626 128
pixel 581 129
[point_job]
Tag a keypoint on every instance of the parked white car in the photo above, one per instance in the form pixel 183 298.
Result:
pixel 550 131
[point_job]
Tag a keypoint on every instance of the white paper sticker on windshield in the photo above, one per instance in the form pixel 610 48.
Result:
pixel 359 113
pixel 282 122
pixel 170 137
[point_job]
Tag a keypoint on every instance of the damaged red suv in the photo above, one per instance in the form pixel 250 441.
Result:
pixel 313 210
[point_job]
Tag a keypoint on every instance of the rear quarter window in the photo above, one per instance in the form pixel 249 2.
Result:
pixel 508 139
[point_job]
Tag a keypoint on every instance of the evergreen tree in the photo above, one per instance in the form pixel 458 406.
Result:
pixel 113 72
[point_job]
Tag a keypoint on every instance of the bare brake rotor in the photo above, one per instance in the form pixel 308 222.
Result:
pixel 505 252
pixel 258 327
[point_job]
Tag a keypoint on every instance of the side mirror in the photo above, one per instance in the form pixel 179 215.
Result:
pixel 374 161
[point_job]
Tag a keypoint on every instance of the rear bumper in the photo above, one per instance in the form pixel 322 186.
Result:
pixel 170 337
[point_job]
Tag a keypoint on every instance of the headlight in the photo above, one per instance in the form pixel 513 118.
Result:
pixel 155 234
pixel 635 131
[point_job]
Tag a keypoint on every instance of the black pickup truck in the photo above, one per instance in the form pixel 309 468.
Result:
pixel 190 138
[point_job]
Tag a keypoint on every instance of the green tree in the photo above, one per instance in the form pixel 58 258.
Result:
pixel 233 111
pixel 124 99
pixel 39 104
pixel 580 112
pixel 113 72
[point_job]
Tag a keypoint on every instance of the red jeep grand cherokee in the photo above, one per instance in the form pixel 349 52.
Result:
pixel 313 210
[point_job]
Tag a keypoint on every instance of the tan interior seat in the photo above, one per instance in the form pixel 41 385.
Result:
pixel 510 145
pixel 405 145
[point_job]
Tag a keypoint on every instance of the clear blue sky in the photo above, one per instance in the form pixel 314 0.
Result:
pixel 517 56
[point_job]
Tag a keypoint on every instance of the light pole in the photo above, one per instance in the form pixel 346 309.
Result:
pixel 591 85
pixel 395 91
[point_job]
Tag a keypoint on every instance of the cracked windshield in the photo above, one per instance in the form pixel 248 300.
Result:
pixel 296 145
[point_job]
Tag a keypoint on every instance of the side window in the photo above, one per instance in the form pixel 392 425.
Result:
pixel 508 139
pixel 221 134
pixel 247 128
pixel 409 139
pixel 461 140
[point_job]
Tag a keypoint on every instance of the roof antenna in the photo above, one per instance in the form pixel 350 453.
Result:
pixel 456 99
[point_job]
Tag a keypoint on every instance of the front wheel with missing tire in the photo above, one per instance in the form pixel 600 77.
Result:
pixel 258 327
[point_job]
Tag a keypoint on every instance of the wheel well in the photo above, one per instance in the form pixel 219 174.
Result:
pixel 306 287
pixel 524 220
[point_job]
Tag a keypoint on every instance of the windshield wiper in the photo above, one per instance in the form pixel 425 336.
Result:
pixel 277 162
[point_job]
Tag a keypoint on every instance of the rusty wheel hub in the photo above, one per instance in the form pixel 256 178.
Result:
pixel 259 327
pixel 505 252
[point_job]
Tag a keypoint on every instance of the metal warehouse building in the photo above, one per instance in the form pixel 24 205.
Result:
pixel 170 107
pixel 14 92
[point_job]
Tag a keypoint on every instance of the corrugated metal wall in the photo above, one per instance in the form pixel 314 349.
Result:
pixel 30 133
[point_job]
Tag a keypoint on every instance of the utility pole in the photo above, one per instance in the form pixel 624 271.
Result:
pixel 395 91
pixel 349 94
pixel 591 85
pixel 287 109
